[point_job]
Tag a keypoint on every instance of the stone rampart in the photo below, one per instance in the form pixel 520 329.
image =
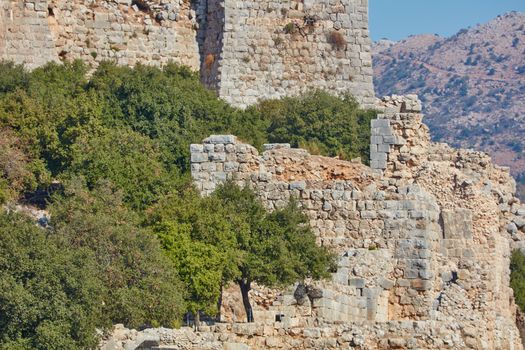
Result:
pixel 26 36
pixel 424 236
pixel 266 49
pixel 246 50
pixel 39 31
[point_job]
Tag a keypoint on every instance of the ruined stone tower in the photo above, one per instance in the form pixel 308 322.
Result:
pixel 246 50
pixel 265 49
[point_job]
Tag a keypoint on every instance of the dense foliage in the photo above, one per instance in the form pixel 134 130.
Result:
pixel 243 241
pixel 141 286
pixel 134 126
pixel 49 292
pixel 130 241
pixel 517 277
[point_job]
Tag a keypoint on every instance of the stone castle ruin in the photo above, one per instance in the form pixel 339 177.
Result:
pixel 424 237
pixel 424 234
pixel 245 50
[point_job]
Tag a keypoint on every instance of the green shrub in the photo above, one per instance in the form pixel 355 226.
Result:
pixel 141 285
pixel 517 277
pixel 49 292
pixel 336 126
pixel 129 160
pixel 18 173
pixel 12 77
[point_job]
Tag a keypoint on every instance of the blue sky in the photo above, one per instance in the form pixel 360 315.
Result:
pixel 397 19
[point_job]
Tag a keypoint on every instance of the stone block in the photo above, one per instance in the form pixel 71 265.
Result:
pixel 376 140
pixel 235 346
pixel 457 223
pixel 357 282
pixel 196 148
pixel 341 276
pixel 224 139
pixel 217 157
pixel 231 166
pixel 199 157
pixel 386 283
pixel 512 228
pixel 377 123
pixel 519 222
pixel 298 185
pixel 421 285
pixel 383 148
pixel 379 156
pixel 312 333
pixel 273 146
pixel 391 140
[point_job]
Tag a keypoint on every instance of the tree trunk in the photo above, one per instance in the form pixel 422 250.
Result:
pixel 197 320
pixel 245 289
pixel 219 305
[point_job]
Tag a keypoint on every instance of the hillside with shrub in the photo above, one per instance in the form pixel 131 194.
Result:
pixel 127 239
pixel 472 85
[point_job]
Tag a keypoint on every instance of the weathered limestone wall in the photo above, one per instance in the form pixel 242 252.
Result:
pixel 2 27
pixel 362 336
pixel 127 34
pixel 424 236
pixel 39 31
pixel 26 37
pixel 271 49
pixel 246 50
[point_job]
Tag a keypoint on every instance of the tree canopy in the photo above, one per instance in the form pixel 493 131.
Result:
pixel 107 154
pixel 244 241
pixel 49 291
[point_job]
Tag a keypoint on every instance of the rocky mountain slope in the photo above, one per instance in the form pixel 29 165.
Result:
pixel 472 85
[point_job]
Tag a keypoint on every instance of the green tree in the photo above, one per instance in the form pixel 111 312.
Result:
pixel 278 248
pixel 12 77
pixel 318 121
pixel 128 159
pixel 50 111
pixel 50 295
pixel 201 242
pixel 141 283
pixel 517 277
pixel 18 173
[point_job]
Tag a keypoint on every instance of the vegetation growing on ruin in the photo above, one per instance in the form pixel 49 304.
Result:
pixel 108 157
pixel 517 278
pixel 230 237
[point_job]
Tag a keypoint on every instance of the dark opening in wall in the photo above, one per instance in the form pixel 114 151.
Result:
pixel 142 5
pixel 50 11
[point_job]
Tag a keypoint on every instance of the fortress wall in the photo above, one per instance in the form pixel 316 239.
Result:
pixel 246 50
pixel 3 15
pixel 26 35
pixel 477 218
pixel 390 236
pixel 39 31
pixel 125 34
pixel 423 235
pixel 272 49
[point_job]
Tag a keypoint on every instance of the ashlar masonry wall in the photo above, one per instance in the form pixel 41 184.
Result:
pixel 26 36
pixel 39 31
pixel 246 50
pixel 270 49
pixel 423 235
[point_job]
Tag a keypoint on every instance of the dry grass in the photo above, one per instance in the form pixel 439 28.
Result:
pixel 337 40
pixel 209 61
